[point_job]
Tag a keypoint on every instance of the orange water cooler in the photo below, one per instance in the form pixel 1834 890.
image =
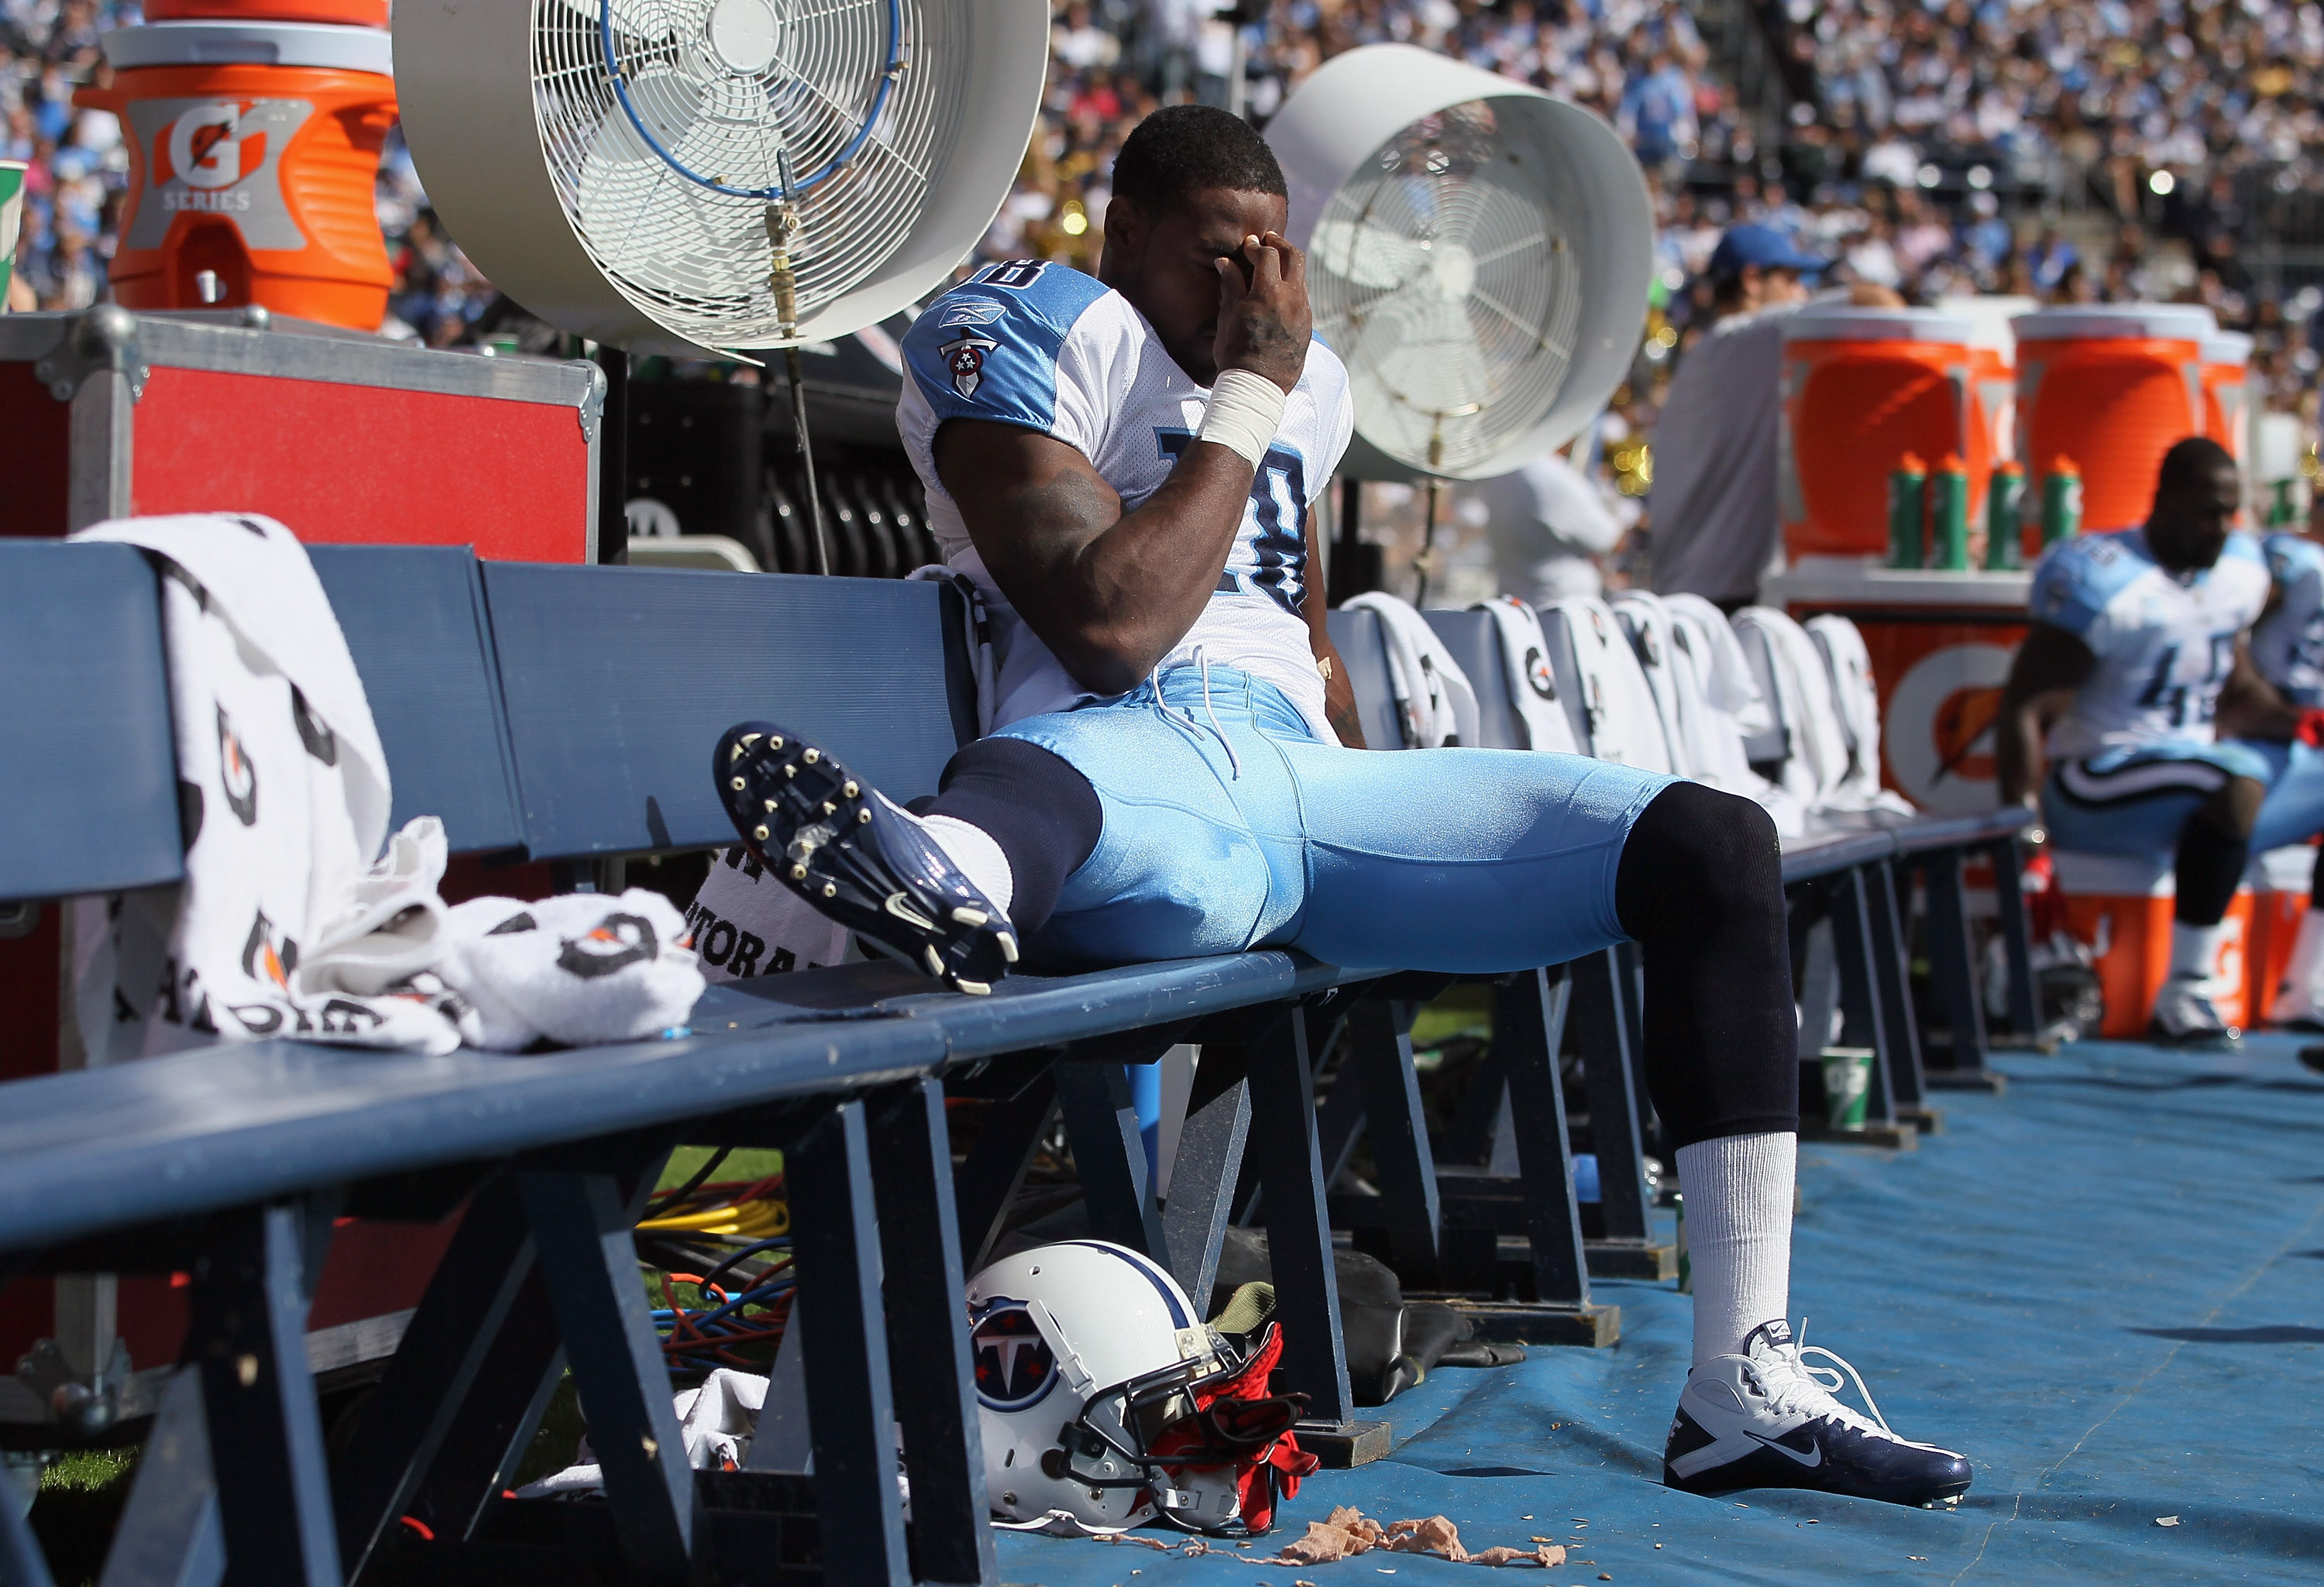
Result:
pixel 2226 394
pixel 2112 388
pixel 1861 388
pixel 254 133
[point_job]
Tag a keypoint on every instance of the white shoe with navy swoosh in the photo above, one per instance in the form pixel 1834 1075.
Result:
pixel 1767 1419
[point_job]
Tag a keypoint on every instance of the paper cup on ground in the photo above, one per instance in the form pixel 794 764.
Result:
pixel 1846 1085
pixel 12 222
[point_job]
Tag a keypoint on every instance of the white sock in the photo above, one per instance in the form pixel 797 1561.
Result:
pixel 1738 1235
pixel 977 852
pixel 2195 950
pixel 2295 998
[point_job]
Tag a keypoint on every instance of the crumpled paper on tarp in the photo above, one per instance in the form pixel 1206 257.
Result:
pixel 1349 1532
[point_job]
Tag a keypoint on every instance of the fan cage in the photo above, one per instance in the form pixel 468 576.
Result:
pixel 1442 274
pixel 838 101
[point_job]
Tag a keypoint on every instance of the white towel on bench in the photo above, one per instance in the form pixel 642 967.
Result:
pixel 283 794
pixel 1435 703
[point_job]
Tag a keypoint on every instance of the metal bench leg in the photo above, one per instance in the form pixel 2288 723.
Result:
pixel 169 1534
pixel 583 1226
pixel 2016 938
pixel 1110 1153
pixel 1863 1023
pixel 842 1331
pixel 1893 968
pixel 1299 1226
pixel 1210 1147
pixel 22 1563
pixel 235 1470
pixel 405 1423
pixel 1953 967
pixel 1528 1014
pixel 927 1338
pixel 1607 1070
pixel 1381 1063
pixel 984 1184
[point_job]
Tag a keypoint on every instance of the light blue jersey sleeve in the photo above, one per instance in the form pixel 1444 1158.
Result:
pixel 2291 557
pixel 990 348
pixel 2076 579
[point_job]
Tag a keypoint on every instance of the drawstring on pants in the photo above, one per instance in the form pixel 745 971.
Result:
pixel 1203 660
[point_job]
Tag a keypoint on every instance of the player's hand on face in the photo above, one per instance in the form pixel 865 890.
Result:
pixel 1264 325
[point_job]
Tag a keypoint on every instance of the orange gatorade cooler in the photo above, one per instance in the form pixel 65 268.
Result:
pixel 253 147
pixel 2112 387
pixel 1861 388
pixel 2227 372
pixel 2121 906
pixel 2280 878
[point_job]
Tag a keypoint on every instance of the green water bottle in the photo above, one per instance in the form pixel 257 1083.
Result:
pixel 2280 509
pixel 1908 490
pixel 1949 514
pixel 2061 502
pixel 2005 499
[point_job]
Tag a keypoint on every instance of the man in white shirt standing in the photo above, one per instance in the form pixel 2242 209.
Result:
pixel 1712 511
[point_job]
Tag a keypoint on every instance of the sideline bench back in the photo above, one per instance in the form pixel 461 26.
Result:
pixel 90 777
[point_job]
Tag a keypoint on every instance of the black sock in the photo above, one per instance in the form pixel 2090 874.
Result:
pixel 2210 867
pixel 1044 815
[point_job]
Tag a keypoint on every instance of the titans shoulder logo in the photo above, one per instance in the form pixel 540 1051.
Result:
pixel 964 359
pixel 1014 1368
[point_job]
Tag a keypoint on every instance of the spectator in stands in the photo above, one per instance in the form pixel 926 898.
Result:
pixel 2137 660
pixel 1713 507
pixel 1178 768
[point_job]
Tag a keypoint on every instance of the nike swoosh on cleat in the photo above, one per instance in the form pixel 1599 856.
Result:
pixel 899 906
pixel 1814 1457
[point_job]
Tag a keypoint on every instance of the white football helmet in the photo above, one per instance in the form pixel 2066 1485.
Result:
pixel 1085 1354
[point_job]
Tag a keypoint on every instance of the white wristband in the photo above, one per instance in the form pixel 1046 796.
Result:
pixel 1244 410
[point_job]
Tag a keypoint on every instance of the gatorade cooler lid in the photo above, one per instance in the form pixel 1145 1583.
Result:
pixel 2127 322
pixel 1841 322
pixel 2228 347
pixel 254 44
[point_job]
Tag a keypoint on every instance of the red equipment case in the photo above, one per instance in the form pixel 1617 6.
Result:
pixel 341 436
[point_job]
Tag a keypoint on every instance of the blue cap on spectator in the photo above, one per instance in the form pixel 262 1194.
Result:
pixel 1763 246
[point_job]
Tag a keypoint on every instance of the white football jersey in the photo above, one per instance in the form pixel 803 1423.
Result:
pixel 2164 642
pixel 2288 645
pixel 1047 349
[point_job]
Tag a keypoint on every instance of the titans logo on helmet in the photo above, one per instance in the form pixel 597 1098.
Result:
pixel 964 360
pixel 1014 1368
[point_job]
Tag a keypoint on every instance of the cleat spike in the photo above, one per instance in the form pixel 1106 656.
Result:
pixel 1008 946
pixel 738 785
pixel 760 832
pixel 789 770
pixel 829 808
pixel 770 806
pixel 863 818
pixel 799 873
pixel 974 988
pixel 831 889
pixel 935 961
pixel 775 742
pixel 851 790
pixel 968 916
pixel 748 739
pixel 811 756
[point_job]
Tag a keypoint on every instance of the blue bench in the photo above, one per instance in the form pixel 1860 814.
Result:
pixel 560 713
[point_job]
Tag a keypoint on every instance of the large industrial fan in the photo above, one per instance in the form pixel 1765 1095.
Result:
pixel 675 175
pixel 1479 254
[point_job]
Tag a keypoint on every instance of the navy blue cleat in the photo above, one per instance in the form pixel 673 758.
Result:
pixel 857 858
pixel 1767 1419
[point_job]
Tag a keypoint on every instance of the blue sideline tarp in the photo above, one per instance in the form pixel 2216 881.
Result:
pixel 2106 1287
